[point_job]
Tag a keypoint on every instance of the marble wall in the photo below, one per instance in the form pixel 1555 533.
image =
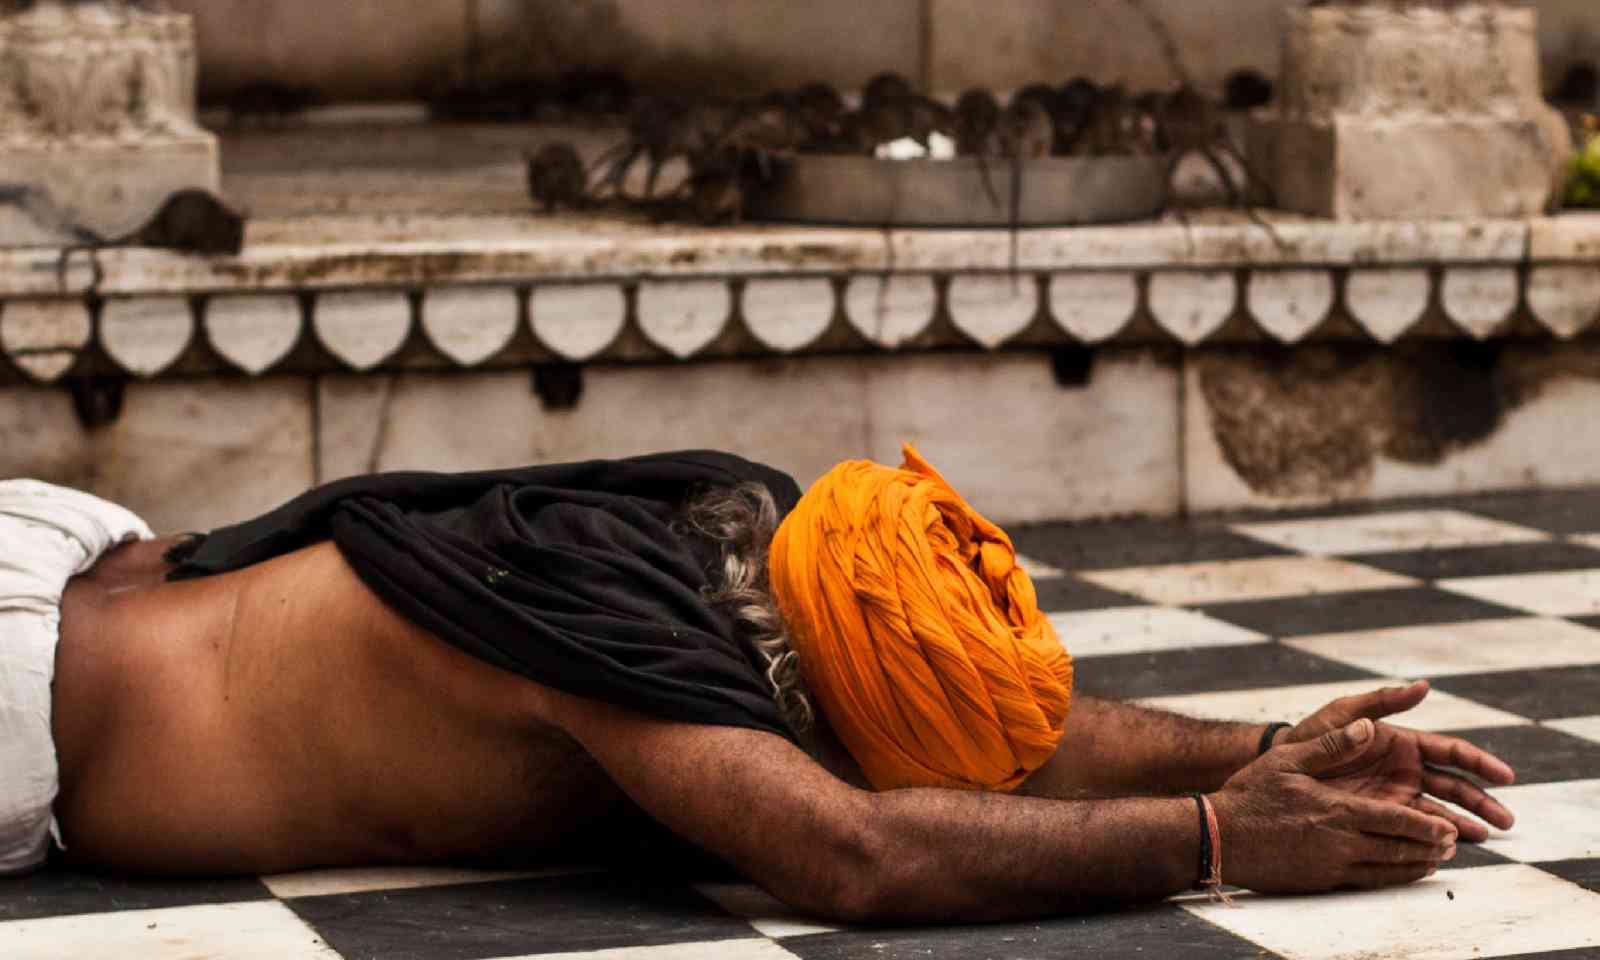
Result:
pixel 194 454
pixel 1144 433
pixel 367 49
pixel 185 455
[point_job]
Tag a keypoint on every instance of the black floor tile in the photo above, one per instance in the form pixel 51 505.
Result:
pixel 1108 546
pixel 1206 670
pixel 1488 561
pixel 1539 754
pixel 1470 855
pixel 1069 595
pixel 55 892
pixel 1547 694
pixel 1364 610
pixel 1585 873
pixel 1554 511
pixel 1576 953
pixel 513 918
pixel 1162 930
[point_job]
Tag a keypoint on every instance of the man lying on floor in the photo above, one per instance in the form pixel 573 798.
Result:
pixel 851 697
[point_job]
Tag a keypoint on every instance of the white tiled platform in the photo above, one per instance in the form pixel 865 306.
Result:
pixel 1144 629
pixel 1442 649
pixel 248 931
pixel 1556 821
pixel 1231 580
pixel 1485 912
pixel 1212 621
pixel 1567 594
pixel 1384 532
pixel 1586 727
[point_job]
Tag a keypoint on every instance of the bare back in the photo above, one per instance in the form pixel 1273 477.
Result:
pixel 282 717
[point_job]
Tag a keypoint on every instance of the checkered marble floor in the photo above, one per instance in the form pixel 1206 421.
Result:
pixel 1496 600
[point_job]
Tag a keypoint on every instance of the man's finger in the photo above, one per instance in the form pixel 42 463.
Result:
pixel 1330 751
pixel 1469 828
pixel 1392 700
pixel 1383 818
pixel 1374 705
pixel 1444 751
pixel 1373 849
pixel 1468 796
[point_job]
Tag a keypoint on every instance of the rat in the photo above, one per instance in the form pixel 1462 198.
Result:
pixel 654 131
pixel 886 87
pixel 926 116
pixel 1026 133
pixel 188 221
pixel 976 120
pixel 1117 126
pixel 556 177
pixel 820 111
pixel 1246 89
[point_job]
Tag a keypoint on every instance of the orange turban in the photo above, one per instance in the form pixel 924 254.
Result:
pixel 917 632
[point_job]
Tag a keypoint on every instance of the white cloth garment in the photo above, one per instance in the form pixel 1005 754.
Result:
pixel 48 534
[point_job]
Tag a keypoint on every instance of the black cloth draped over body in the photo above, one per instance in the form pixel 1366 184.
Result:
pixel 568 574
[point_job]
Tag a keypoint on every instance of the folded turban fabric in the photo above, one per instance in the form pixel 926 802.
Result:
pixel 917 633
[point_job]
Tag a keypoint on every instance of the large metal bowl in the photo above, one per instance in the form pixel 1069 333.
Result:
pixel 844 189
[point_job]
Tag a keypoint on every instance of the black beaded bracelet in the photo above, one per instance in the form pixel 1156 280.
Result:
pixel 1267 735
pixel 1205 842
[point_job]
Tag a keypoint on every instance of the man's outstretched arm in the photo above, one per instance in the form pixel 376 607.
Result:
pixel 938 855
pixel 1113 749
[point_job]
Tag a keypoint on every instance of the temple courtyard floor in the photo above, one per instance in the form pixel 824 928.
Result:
pixel 1495 599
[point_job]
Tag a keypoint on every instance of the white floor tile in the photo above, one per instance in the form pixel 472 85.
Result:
pixel 1476 646
pixel 1571 593
pixel 1481 912
pixel 1440 711
pixel 1586 727
pixel 1038 569
pixel 1587 539
pixel 1096 633
pixel 1555 821
pixel 769 915
pixel 320 883
pixel 263 929
pixel 1226 580
pixel 752 949
pixel 1386 532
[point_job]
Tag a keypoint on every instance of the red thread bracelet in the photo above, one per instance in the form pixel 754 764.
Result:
pixel 1213 881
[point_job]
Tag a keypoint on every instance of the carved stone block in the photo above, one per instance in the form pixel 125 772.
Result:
pixel 97 119
pixel 1410 110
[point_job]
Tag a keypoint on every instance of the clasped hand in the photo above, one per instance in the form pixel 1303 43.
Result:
pixel 1409 766
pixel 1344 800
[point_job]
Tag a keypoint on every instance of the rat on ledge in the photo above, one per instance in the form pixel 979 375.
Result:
pixel 189 221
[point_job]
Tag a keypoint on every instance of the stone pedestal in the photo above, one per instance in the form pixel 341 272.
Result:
pixel 1400 110
pixel 97 119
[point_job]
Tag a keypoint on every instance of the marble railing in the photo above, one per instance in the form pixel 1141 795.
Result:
pixel 364 293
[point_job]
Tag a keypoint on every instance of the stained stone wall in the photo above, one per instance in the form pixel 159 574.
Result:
pixel 192 454
pixel 360 49
pixel 1144 431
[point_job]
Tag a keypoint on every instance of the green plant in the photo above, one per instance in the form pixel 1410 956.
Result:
pixel 1583 182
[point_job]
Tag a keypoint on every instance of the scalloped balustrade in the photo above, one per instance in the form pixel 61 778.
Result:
pixel 448 303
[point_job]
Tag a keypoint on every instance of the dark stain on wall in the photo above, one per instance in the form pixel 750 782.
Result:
pixel 557 37
pixel 1313 420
